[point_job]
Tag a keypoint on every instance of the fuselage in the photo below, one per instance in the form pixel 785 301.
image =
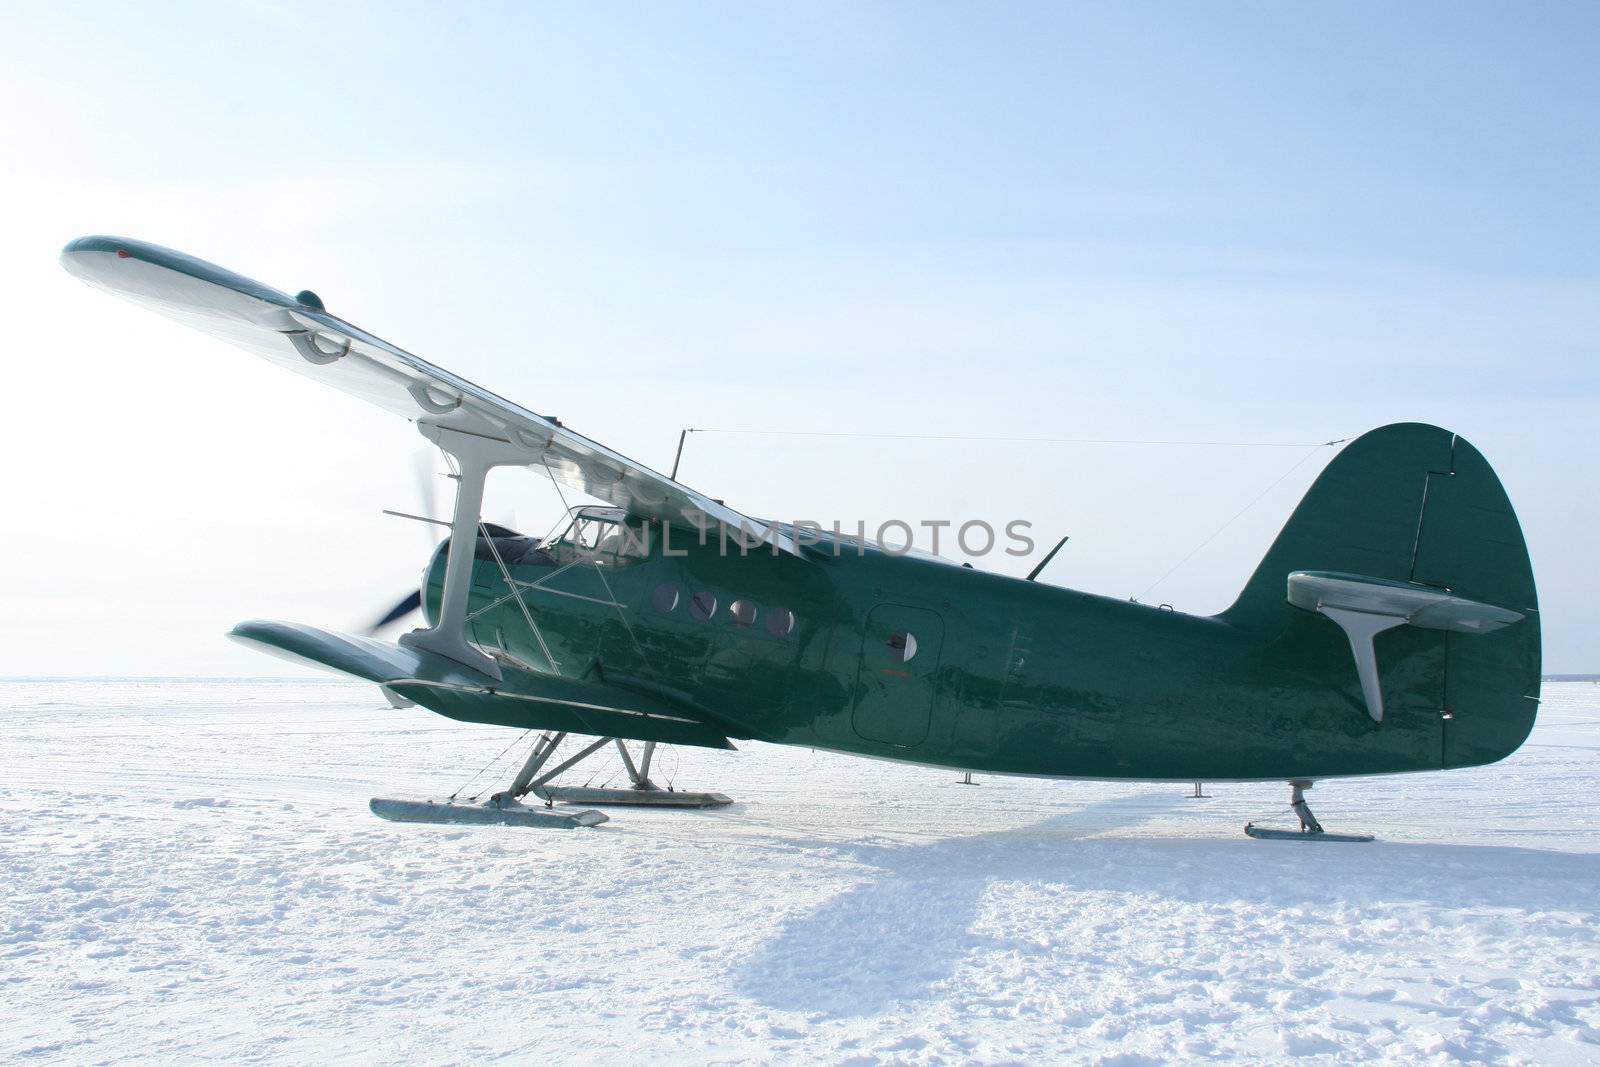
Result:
pixel 907 658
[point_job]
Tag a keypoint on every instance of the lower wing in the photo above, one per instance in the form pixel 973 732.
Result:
pixel 523 699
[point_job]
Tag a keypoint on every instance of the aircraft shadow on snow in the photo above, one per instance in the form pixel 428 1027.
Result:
pixel 912 924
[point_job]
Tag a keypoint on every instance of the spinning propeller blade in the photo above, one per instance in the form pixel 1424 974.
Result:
pixel 411 602
pixel 427 477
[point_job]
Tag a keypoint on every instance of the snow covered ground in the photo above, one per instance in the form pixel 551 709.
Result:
pixel 190 872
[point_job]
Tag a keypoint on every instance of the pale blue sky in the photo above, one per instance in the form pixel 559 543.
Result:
pixel 1263 222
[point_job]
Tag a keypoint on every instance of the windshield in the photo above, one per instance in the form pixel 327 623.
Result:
pixel 605 535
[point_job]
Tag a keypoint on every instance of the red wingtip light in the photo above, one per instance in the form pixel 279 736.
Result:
pixel 123 253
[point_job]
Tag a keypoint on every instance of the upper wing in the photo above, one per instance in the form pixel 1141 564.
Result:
pixel 296 332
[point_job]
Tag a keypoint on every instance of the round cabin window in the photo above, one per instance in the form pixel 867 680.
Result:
pixel 902 646
pixel 665 598
pixel 743 612
pixel 703 606
pixel 780 622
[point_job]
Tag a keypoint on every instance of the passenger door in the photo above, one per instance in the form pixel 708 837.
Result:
pixel 896 674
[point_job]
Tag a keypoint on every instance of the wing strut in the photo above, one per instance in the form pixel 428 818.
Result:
pixel 475 457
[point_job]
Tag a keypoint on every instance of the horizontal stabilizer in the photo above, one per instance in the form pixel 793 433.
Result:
pixel 1421 606
pixel 523 698
pixel 1365 607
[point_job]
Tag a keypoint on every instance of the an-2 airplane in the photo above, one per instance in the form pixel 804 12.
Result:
pixel 1392 626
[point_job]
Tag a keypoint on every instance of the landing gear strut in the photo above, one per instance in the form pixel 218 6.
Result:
pixel 1310 828
pixel 507 807
pixel 642 793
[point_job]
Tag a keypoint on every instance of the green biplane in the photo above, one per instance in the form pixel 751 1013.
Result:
pixel 1392 626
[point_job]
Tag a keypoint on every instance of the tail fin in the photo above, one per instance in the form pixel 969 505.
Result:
pixel 1417 505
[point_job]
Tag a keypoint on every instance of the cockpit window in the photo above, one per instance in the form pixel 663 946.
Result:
pixel 584 532
pixel 606 536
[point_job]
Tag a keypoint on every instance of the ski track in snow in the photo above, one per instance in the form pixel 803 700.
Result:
pixel 191 873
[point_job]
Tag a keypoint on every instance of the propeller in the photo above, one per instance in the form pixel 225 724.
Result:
pixel 412 601
pixel 426 476
pixel 427 479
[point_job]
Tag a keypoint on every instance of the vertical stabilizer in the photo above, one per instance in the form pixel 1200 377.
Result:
pixel 1418 511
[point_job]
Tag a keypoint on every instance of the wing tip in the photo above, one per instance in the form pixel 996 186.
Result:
pixel 96 258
